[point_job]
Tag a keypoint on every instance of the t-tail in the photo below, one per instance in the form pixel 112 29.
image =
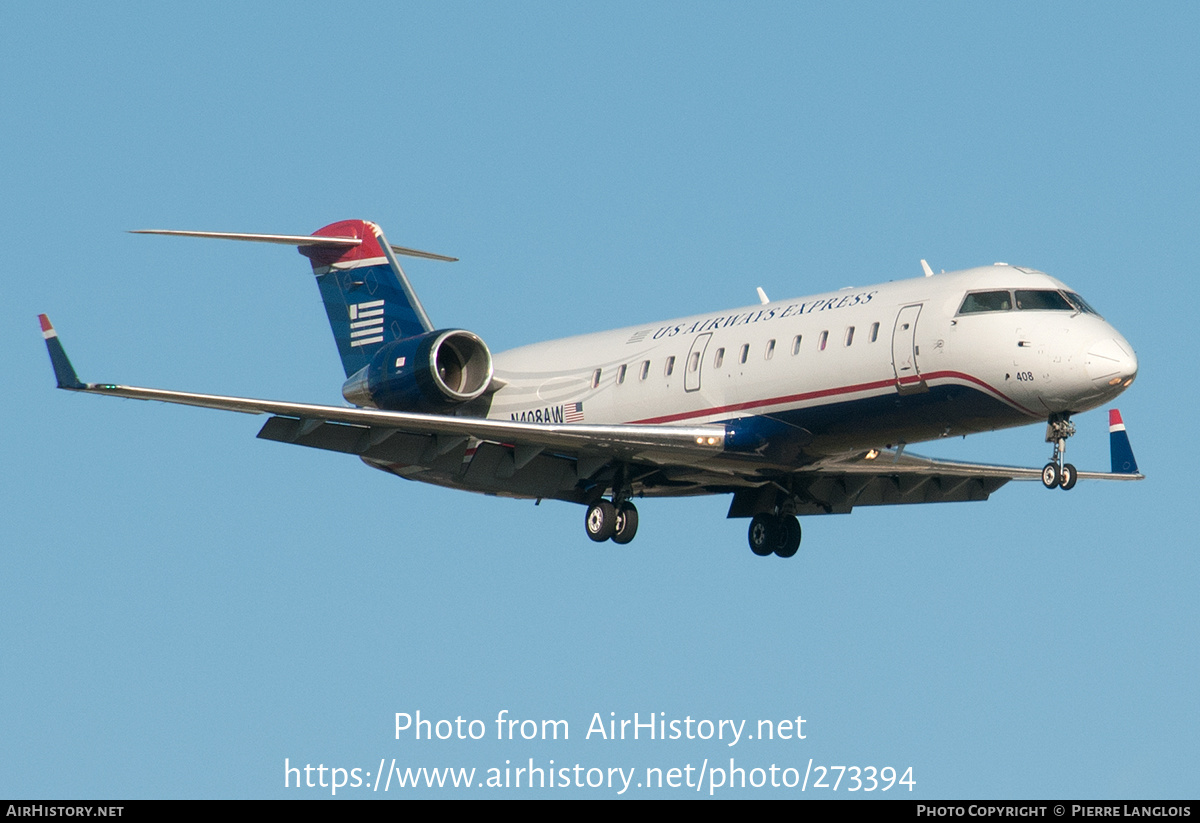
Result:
pixel 391 353
pixel 367 296
pixel 1123 461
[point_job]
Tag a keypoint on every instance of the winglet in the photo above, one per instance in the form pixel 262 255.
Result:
pixel 1123 461
pixel 64 372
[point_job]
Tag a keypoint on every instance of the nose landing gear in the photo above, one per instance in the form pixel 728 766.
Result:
pixel 1057 472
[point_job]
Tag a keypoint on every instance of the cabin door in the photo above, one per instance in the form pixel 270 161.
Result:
pixel 905 352
pixel 695 362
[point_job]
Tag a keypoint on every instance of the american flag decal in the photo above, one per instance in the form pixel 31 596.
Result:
pixel 366 323
pixel 573 412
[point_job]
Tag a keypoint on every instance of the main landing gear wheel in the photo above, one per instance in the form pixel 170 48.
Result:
pixel 601 521
pixel 1050 477
pixel 791 537
pixel 1067 477
pixel 604 521
pixel 626 524
pixel 774 534
pixel 764 534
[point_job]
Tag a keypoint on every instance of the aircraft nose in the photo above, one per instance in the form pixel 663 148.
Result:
pixel 1111 362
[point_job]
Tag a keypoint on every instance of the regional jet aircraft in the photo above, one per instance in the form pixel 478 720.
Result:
pixel 791 407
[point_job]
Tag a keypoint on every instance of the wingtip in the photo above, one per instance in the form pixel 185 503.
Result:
pixel 1120 449
pixel 64 372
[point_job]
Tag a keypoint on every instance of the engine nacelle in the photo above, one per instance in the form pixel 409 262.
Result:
pixel 424 373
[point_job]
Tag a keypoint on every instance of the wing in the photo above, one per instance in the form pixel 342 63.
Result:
pixel 570 461
pixel 556 458
pixel 835 485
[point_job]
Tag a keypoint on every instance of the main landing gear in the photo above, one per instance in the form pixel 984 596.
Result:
pixel 615 520
pixel 774 534
pixel 1056 472
pixel 606 521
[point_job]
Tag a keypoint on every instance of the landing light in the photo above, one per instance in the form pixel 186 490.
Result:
pixel 872 454
pixel 1114 381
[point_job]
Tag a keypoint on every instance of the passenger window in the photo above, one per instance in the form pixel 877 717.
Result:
pixel 670 365
pixel 621 374
pixel 645 370
pixel 849 335
pixel 596 379
pixel 694 362
pixel 796 345
pixel 719 359
pixel 822 340
pixel 770 349
pixel 874 332
pixel 986 301
pixel 745 351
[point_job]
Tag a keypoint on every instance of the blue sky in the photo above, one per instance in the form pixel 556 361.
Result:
pixel 186 606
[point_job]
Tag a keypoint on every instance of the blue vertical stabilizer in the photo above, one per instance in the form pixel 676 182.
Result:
pixel 367 296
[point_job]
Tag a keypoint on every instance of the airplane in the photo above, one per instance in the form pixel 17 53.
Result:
pixel 792 407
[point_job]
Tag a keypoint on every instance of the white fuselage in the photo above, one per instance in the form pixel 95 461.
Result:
pixel 859 367
pixel 785 405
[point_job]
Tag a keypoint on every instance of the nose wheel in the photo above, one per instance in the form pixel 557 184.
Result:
pixel 1058 473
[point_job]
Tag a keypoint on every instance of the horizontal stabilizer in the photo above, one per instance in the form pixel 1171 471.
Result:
pixel 298 240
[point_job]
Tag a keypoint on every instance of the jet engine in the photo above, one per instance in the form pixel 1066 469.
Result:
pixel 428 372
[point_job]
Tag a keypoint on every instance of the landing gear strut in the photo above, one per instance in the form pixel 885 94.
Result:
pixel 774 534
pixel 1056 472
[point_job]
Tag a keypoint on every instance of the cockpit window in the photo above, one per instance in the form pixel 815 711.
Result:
pixel 1042 300
pixel 1081 304
pixel 986 301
